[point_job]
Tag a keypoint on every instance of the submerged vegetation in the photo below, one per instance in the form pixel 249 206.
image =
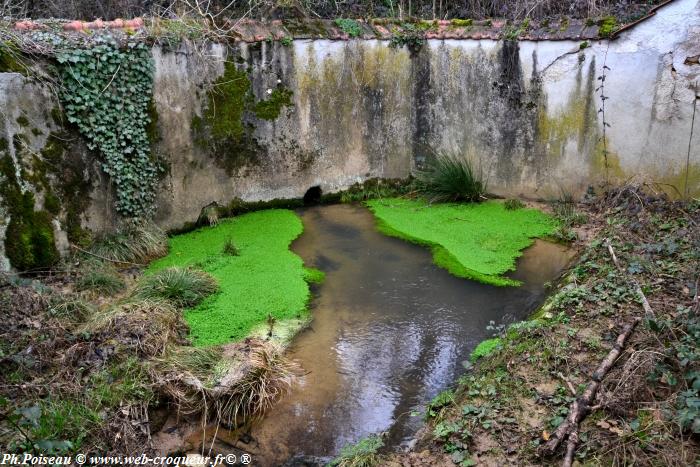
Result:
pixel 474 241
pixel 265 277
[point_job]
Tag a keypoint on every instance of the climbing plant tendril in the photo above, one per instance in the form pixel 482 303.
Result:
pixel 106 93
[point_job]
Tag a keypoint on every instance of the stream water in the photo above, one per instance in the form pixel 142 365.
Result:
pixel 390 331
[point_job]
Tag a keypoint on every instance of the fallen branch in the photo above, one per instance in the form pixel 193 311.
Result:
pixel 571 449
pixel 582 405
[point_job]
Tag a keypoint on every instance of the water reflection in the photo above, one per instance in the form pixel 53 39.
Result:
pixel 390 331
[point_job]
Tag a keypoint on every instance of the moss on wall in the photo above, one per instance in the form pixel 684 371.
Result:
pixel 72 189
pixel 575 121
pixel 673 182
pixel 10 61
pixel 269 109
pixel 225 127
pixel 152 127
pixel 606 163
pixel 29 239
pixel 228 99
pixel 608 26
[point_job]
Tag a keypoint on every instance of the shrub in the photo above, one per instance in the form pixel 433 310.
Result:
pixel 361 454
pixel 183 287
pixel 448 177
pixel 136 241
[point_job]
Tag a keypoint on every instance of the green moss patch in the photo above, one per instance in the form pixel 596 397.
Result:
pixel 264 279
pixel 486 348
pixel 29 240
pixel 608 26
pixel 10 59
pixel 269 109
pixel 474 241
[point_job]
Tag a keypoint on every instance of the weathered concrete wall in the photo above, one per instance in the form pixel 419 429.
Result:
pixel 528 112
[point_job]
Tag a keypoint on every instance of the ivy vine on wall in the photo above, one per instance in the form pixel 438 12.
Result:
pixel 106 92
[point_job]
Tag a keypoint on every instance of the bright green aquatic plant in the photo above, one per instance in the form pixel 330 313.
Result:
pixel 264 279
pixel 474 241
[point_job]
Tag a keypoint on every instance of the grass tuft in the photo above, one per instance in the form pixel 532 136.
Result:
pixel 135 242
pixel 230 248
pixel 231 386
pixel 513 204
pixel 450 177
pixel 101 280
pixel 183 287
pixel 70 308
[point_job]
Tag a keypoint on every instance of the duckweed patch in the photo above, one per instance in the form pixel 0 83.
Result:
pixel 264 279
pixel 474 241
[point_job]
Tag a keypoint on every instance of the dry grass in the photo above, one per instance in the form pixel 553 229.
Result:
pixel 135 242
pixel 145 327
pixel 231 385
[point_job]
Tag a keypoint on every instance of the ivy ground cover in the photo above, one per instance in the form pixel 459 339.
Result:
pixel 264 278
pixel 474 241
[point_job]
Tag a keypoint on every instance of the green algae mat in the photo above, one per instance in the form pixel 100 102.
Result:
pixel 265 277
pixel 474 241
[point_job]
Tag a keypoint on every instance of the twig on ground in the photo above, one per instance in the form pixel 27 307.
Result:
pixel 582 405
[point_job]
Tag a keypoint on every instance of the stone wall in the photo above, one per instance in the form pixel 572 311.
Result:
pixel 527 112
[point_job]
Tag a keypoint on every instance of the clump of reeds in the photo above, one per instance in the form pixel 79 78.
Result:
pixel 450 177
pixel 183 287
pixel 134 242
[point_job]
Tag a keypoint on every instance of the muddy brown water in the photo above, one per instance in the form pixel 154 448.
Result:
pixel 390 330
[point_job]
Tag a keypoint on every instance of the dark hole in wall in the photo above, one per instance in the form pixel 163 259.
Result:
pixel 312 196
